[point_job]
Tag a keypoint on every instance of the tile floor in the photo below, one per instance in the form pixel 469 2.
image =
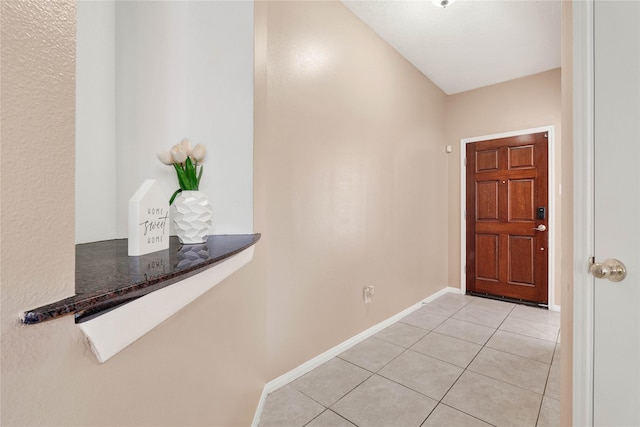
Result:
pixel 457 361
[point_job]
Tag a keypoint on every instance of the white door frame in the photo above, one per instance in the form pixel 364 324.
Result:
pixel 552 218
pixel 583 212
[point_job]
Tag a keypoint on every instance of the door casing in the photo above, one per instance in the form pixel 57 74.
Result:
pixel 552 212
pixel 583 213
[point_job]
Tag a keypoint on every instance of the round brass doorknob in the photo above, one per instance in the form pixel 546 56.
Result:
pixel 611 269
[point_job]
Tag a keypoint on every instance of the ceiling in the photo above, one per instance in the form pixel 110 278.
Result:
pixel 471 43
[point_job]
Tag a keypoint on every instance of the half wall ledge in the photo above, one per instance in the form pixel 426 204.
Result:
pixel 120 298
pixel 107 278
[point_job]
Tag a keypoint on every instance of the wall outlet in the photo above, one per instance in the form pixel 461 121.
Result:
pixel 368 294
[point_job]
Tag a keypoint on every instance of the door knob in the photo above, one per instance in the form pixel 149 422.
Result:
pixel 611 269
pixel 541 227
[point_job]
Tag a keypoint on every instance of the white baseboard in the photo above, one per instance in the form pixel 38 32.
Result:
pixel 260 407
pixel 296 373
pixel 554 307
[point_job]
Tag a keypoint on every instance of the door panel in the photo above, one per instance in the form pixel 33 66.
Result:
pixel 506 182
pixel 521 200
pixel 521 157
pixel 486 160
pixel 487 250
pixel 521 256
pixel 487 200
pixel 617 212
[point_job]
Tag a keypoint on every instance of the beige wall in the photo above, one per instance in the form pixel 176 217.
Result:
pixel 204 366
pixel 349 167
pixel 353 164
pixel 519 104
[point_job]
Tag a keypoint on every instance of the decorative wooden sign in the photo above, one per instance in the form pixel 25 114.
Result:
pixel 148 220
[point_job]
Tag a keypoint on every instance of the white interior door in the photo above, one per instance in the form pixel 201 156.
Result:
pixel 616 340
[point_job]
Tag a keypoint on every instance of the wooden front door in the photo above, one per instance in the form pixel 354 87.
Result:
pixel 507 200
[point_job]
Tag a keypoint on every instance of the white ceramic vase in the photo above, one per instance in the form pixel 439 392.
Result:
pixel 191 214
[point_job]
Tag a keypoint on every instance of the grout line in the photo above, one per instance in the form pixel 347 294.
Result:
pixel 344 418
pixel 544 391
pixel 465 368
pixel 410 389
pixel 519 355
pixel 472 416
pixel 404 349
pixel 546 384
pixel 539 411
pixel 429 414
pixel 535 321
pixel 442 360
pixel 306 395
pixel 416 391
pixel 311 420
pixel 504 382
pixel 527 336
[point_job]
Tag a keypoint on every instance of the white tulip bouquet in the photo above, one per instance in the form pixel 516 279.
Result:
pixel 186 161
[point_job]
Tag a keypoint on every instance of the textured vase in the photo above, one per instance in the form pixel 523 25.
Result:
pixel 191 213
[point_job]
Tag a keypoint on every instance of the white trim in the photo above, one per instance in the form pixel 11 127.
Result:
pixel 553 219
pixel 330 354
pixel 260 407
pixel 583 212
pixel 111 332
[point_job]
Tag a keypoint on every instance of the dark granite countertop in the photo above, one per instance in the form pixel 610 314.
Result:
pixel 107 277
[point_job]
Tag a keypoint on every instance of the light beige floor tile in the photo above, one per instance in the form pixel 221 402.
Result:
pixel 452 299
pixel 512 369
pixel 329 419
pixel 556 355
pixel 424 374
pixel 538 330
pixel 444 307
pixel 287 407
pixel 383 403
pixel 372 354
pixel 480 316
pixel 439 311
pixel 449 349
pixel 539 315
pixel 497 388
pixel 456 297
pixel 532 348
pixel 494 401
pixel 327 383
pixel 549 413
pixel 402 334
pixel 424 319
pixel 495 306
pixel 465 330
pixel 553 383
pixel 444 416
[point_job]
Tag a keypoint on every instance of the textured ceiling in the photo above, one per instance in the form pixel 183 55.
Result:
pixel 471 43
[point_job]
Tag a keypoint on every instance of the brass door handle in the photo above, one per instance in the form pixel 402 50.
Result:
pixel 611 269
